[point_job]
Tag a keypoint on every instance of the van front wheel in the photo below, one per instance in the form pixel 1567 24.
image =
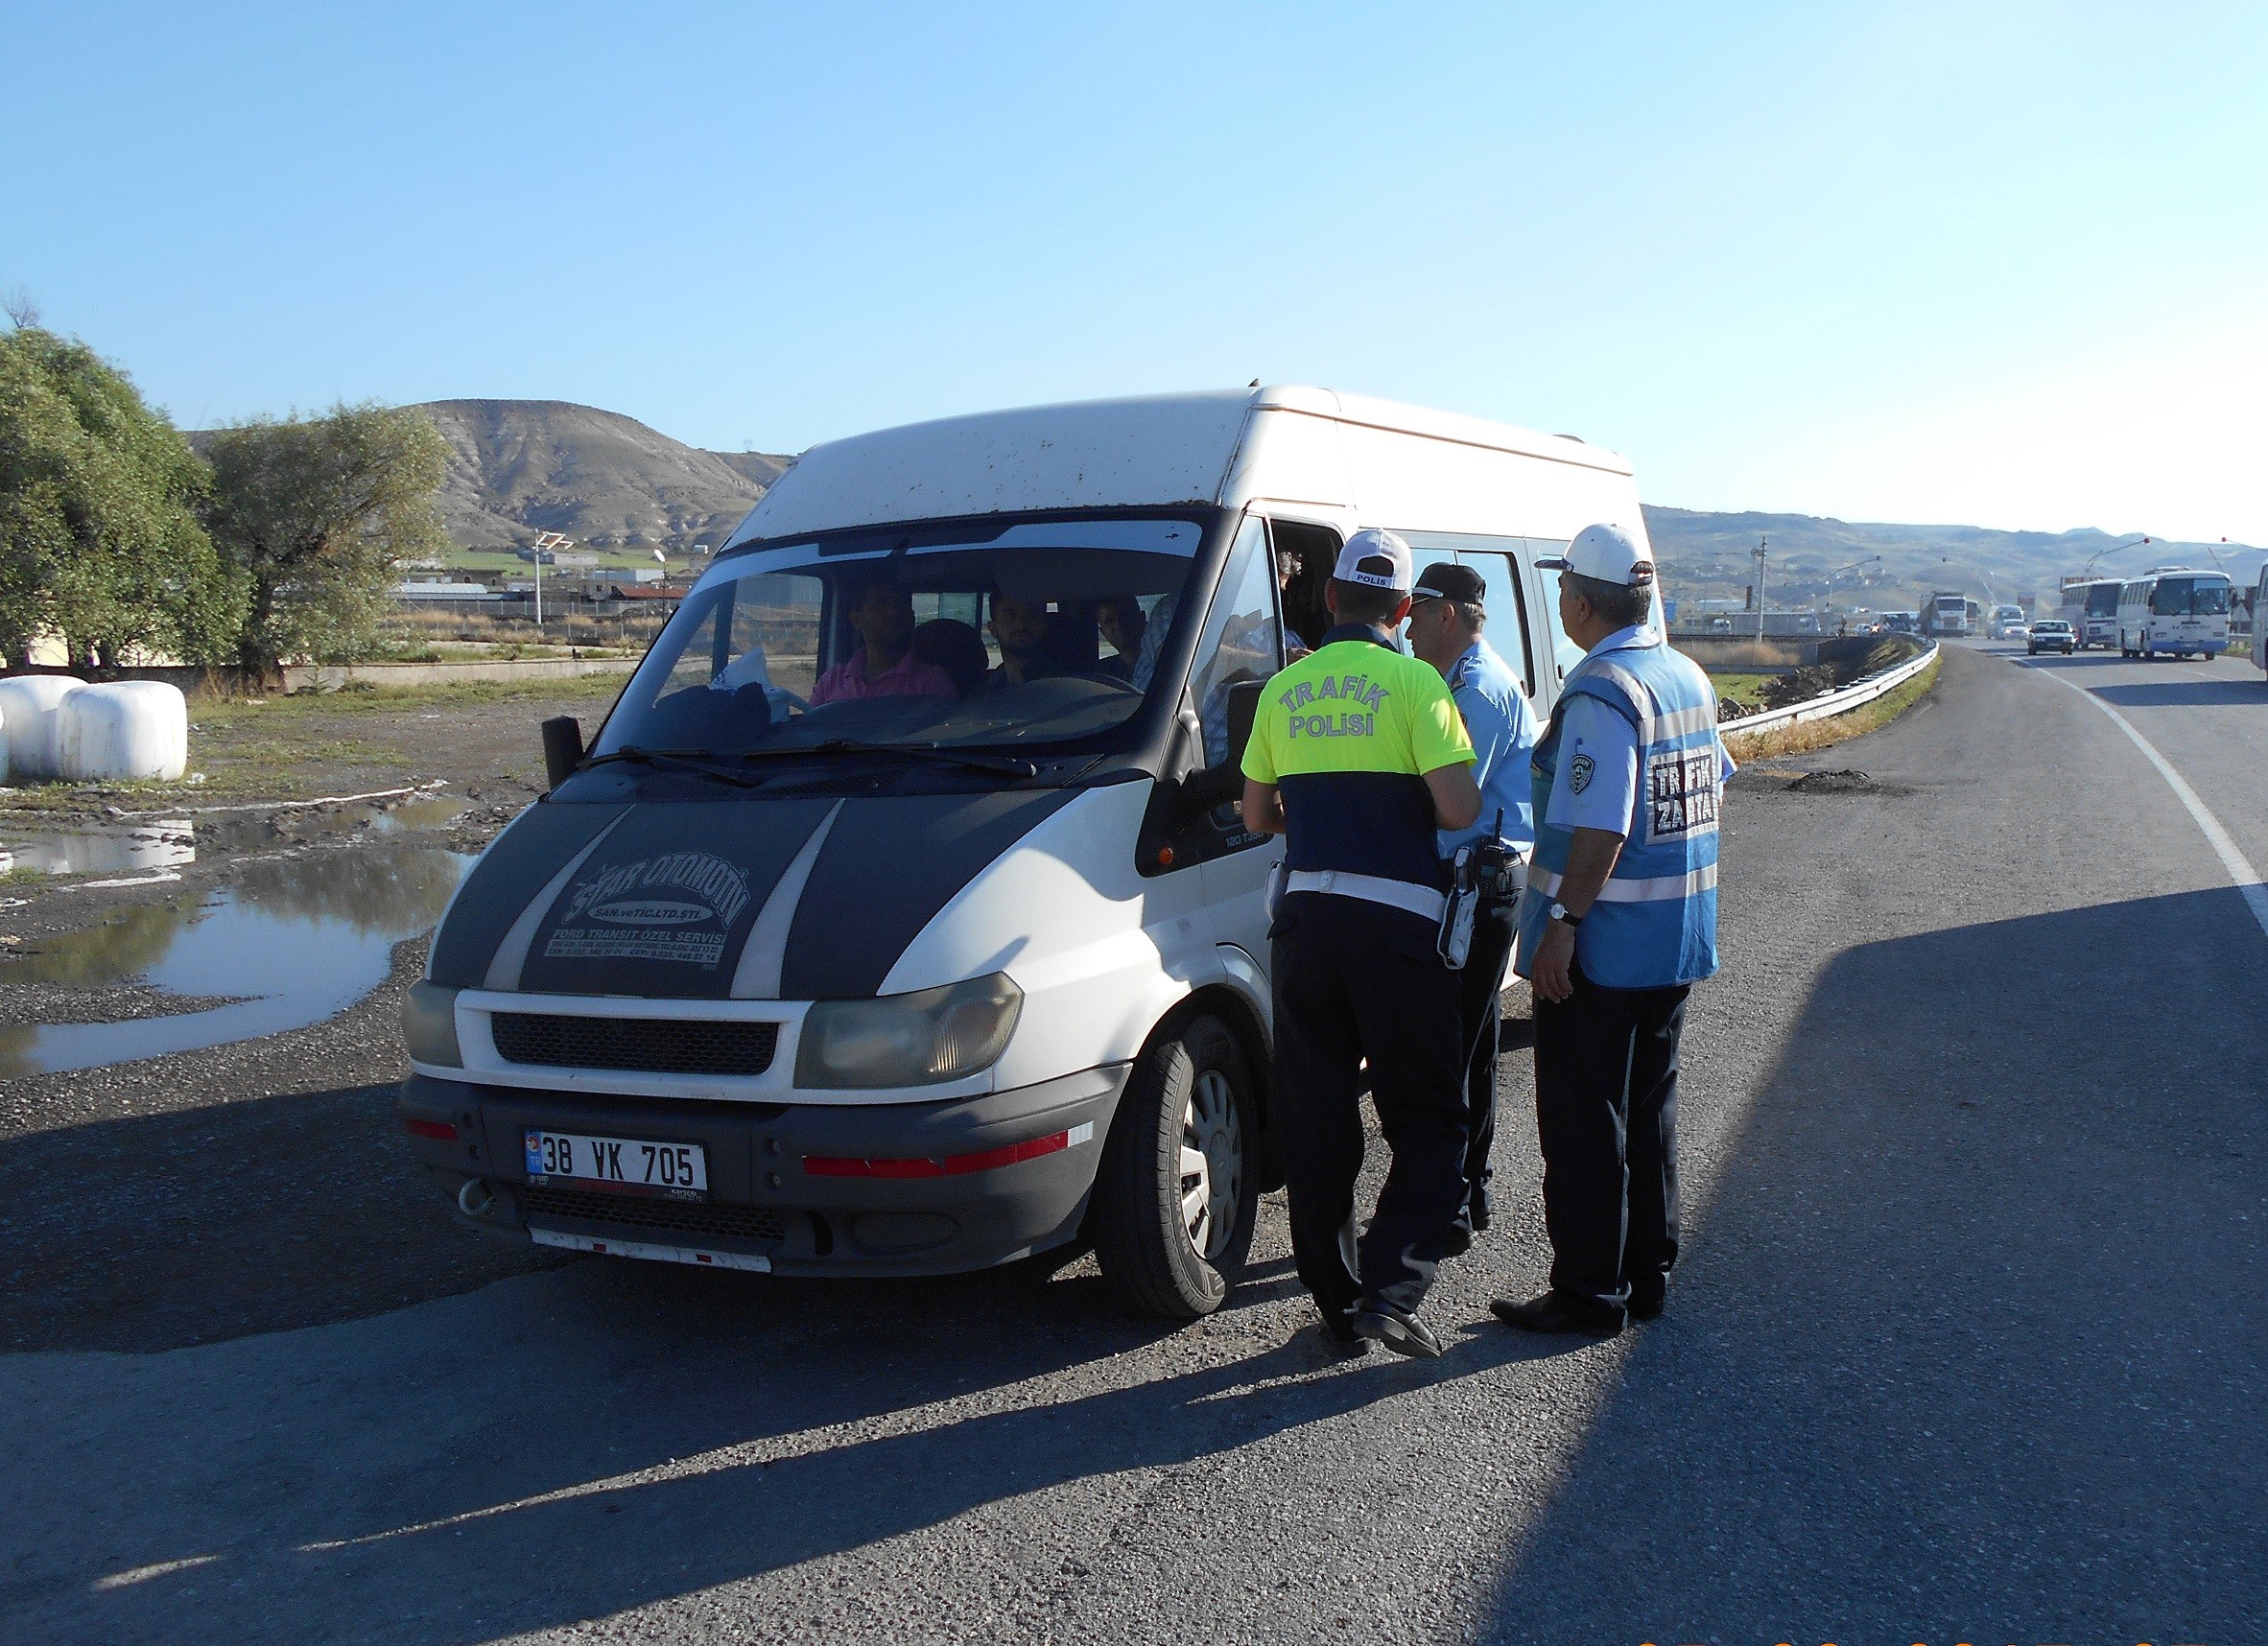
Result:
pixel 1174 1199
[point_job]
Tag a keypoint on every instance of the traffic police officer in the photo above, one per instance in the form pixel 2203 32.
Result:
pixel 1447 614
pixel 1358 757
pixel 1617 922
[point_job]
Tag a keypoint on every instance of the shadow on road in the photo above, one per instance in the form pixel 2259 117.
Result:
pixel 631 1435
pixel 155 1231
pixel 1971 1344
pixel 2246 691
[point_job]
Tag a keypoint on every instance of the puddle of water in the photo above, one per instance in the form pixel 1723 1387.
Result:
pixel 299 939
pixel 146 846
pixel 433 813
pixel 103 849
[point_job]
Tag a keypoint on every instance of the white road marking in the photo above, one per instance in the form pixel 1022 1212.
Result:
pixel 143 1574
pixel 2246 878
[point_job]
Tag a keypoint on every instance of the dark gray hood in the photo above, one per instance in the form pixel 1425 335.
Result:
pixel 660 898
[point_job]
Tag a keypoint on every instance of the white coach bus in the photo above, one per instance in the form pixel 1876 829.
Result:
pixel 2174 611
pixel 2259 604
pixel 2091 606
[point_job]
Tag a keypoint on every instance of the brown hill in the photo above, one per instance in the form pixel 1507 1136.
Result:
pixel 518 468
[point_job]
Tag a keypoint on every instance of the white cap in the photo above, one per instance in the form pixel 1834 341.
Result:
pixel 1605 554
pixel 1375 546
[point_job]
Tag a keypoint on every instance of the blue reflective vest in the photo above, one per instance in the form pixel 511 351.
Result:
pixel 1655 921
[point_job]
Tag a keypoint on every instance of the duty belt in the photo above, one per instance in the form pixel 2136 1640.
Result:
pixel 1370 888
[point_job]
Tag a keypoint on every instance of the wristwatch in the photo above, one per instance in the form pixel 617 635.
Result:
pixel 1559 913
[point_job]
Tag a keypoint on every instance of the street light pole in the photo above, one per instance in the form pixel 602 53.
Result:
pixel 1863 560
pixel 2103 554
pixel 1758 553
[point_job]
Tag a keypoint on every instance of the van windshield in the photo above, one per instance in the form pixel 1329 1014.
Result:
pixel 1032 633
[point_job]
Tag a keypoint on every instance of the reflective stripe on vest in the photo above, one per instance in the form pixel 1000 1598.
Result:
pixel 1654 923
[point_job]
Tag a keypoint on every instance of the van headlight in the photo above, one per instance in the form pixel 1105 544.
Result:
pixel 429 1026
pixel 908 1039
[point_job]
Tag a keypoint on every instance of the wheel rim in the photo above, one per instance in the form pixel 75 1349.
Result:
pixel 1212 1163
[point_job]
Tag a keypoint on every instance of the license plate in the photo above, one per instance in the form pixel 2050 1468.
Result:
pixel 617 1166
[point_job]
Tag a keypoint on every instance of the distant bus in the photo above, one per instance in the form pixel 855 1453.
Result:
pixel 2259 605
pixel 1947 614
pixel 2174 611
pixel 2091 606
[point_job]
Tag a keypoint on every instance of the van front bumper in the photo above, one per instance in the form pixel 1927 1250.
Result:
pixel 899 1189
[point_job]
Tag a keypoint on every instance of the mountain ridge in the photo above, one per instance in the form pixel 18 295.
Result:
pixel 520 467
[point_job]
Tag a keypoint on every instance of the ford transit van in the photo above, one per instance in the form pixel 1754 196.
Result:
pixel 898 920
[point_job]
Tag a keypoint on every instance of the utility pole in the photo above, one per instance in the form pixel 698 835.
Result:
pixel 1758 555
pixel 547 543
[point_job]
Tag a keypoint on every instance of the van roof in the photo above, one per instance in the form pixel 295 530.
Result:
pixel 1157 448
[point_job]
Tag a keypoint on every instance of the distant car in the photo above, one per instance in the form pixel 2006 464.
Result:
pixel 2051 634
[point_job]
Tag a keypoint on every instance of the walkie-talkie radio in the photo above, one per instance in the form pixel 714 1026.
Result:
pixel 1485 873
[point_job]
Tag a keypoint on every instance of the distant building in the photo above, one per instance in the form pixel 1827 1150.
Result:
pixel 442 590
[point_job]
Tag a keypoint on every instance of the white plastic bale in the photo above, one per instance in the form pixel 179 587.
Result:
pixel 30 714
pixel 124 731
pixel 3 744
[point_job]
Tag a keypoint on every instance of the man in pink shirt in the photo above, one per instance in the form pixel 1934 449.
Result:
pixel 884 667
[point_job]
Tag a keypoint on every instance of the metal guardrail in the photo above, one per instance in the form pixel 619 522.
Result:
pixel 1833 703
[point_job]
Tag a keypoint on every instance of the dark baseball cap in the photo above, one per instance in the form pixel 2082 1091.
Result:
pixel 1447 580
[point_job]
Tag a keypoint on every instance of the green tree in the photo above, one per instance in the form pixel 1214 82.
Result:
pixel 315 516
pixel 99 542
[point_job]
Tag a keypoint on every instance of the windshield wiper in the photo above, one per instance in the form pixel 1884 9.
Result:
pixel 688 759
pixel 1004 766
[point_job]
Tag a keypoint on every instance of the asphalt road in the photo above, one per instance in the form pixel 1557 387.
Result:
pixel 1968 1343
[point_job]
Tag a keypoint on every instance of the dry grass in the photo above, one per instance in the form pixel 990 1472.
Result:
pixel 1804 736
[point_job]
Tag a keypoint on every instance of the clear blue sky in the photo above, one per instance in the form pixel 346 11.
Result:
pixel 2004 263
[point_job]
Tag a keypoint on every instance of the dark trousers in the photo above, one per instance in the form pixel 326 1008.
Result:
pixel 1606 1115
pixel 1480 1013
pixel 1355 980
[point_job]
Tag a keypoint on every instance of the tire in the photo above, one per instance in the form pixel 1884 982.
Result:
pixel 1175 1194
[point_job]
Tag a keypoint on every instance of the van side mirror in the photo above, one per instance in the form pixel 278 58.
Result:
pixel 562 748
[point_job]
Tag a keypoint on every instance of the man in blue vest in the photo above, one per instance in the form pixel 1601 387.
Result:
pixel 1448 612
pixel 1357 758
pixel 1618 924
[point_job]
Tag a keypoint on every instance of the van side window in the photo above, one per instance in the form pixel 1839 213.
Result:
pixel 1243 638
pixel 1507 630
pixel 1498 560
pixel 1305 554
pixel 1566 653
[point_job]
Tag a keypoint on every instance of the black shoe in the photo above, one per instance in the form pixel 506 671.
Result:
pixel 1340 1339
pixel 1646 1302
pixel 1476 1211
pixel 1556 1313
pixel 1457 1242
pixel 1402 1333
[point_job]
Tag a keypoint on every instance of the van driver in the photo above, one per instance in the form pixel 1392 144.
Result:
pixel 1020 629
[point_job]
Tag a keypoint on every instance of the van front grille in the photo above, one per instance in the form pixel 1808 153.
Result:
pixel 631 1213
pixel 657 1046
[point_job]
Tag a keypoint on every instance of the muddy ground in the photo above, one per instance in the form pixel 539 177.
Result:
pixel 256 1186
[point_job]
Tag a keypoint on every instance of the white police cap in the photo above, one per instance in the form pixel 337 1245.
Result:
pixel 1392 565
pixel 1605 554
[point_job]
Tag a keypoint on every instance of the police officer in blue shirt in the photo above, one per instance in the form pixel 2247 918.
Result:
pixel 1448 612
pixel 1617 922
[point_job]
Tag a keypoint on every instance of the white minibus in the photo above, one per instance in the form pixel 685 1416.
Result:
pixel 2174 611
pixel 897 920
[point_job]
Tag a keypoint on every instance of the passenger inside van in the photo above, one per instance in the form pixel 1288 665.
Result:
pixel 1020 628
pixel 885 665
pixel 1118 619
